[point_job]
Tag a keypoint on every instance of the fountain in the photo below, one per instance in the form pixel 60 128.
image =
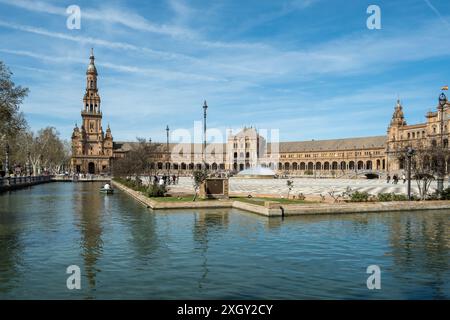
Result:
pixel 257 172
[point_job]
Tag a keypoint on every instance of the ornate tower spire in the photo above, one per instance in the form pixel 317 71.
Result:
pixel 91 67
pixel 91 97
pixel 398 117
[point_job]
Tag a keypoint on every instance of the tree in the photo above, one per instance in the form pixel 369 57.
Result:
pixel 12 121
pixel 137 161
pixel 290 185
pixel 46 150
pixel 427 163
pixel 200 177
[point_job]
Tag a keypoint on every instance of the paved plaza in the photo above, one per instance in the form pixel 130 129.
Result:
pixel 307 186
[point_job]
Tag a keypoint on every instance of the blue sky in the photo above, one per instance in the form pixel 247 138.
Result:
pixel 310 68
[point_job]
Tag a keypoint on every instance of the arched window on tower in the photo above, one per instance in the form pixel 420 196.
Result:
pixel 92 84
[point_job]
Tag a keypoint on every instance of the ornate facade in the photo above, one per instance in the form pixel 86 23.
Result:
pixel 92 149
pixel 319 158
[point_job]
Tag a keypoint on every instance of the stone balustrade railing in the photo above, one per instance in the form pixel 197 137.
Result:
pixel 10 183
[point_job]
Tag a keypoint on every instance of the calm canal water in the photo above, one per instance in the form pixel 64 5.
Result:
pixel 126 251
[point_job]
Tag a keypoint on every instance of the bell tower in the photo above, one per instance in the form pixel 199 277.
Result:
pixel 91 114
pixel 92 149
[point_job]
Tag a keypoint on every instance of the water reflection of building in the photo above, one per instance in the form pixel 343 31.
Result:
pixel 89 211
pixel 421 244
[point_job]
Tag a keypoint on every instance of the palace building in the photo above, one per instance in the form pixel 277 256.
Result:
pixel 94 151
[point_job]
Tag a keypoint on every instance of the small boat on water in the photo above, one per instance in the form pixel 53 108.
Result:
pixel 106 191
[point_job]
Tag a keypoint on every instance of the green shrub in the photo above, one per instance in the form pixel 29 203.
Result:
pixel 155 190
pixel 445 195
pixel 132 184
pixel 400 197
pixel 384 197
pixel 358 196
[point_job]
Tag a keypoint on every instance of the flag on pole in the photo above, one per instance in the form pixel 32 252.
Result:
pixel 444 88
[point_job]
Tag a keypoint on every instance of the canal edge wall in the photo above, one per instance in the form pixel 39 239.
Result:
pixel 16 183
pixel 274 209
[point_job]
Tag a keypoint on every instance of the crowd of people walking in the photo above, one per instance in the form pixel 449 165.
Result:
pixel 395 179
pixel 164 179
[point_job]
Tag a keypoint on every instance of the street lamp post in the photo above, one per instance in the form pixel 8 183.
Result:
pixel 205 107
pixel 441 164
pixel 409 154
pixel 168 153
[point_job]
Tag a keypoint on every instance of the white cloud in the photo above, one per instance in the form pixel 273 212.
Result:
pixel 107 14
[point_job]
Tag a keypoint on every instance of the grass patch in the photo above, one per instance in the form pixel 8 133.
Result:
pixel 260 201
pixel 187 198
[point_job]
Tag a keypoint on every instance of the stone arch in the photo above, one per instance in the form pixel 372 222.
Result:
pixel 351 165
pixel 287 166
pixel 334 165
pixel 360 165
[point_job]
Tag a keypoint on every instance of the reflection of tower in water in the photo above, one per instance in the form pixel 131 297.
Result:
pixel 90 212
pixel 204 224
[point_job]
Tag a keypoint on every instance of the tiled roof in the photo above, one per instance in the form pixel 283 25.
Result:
pixel 295 146
pixel 333 145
